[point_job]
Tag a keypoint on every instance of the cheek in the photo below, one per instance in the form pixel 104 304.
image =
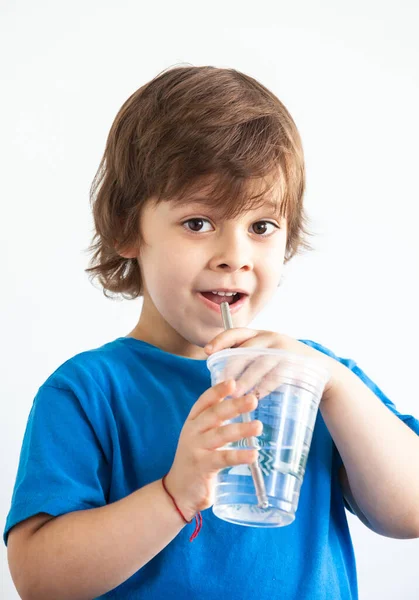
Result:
pixel 170 267
pixel 273 266
pixel 178 261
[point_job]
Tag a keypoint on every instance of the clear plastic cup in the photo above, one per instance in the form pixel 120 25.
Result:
pixel 290 388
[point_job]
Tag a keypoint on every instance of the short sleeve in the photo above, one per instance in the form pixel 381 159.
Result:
pixel 62 467
pixel 410 421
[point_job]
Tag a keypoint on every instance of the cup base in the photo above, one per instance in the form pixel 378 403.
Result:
pixel 250 515
pixel 236 501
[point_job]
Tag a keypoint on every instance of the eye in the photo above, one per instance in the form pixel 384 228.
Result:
pixel 198 224
pixel 265 223
pixel 194 221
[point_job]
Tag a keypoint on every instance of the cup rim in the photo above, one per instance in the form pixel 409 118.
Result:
pixel 305 361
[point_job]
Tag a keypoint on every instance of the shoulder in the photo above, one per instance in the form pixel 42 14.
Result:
pixel 81 392
pixel 90 368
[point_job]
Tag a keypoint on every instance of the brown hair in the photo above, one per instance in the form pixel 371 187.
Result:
pixel 187 128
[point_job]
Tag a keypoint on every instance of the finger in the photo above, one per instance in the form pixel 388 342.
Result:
pixel 236 363
pixel 211 396
pixel 263 373
pixel 229 338
pixel 226 434
pixel 215 416
pixel 271 382
pixel 229 458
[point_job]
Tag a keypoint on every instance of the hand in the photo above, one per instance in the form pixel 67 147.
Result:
pixel 265 371
pixel 191 479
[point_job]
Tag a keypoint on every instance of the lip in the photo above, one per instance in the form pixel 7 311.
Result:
pixel 217 307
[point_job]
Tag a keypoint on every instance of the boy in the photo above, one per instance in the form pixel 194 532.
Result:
pixel 199 191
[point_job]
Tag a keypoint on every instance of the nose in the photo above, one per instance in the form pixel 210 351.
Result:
pixel 231 254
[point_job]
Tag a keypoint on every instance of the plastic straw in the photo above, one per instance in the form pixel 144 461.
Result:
pixel 255 469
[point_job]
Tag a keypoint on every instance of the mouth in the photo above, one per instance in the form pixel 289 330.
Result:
pixel 214 301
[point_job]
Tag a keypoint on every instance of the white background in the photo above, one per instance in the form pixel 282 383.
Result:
pixel 348 73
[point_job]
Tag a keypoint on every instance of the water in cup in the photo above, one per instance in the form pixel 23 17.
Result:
pixel 288 413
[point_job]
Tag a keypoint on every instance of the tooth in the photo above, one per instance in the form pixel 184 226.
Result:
pixel 225 293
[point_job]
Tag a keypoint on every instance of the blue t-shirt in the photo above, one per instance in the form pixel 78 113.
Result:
pixel 107 422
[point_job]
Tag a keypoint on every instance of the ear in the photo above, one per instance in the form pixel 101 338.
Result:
pixel 127 252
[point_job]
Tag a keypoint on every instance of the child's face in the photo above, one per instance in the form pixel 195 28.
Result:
pixel 189 249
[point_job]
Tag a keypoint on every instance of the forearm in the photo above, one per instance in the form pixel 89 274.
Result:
pixel 84 554
pixel 380 454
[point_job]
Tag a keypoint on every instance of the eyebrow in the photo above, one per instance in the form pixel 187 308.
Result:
pixel 202 201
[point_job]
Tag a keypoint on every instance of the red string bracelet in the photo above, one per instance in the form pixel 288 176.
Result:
pixel 198 516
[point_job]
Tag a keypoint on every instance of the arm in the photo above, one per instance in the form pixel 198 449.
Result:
pixel 84 554
pixel 380 456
